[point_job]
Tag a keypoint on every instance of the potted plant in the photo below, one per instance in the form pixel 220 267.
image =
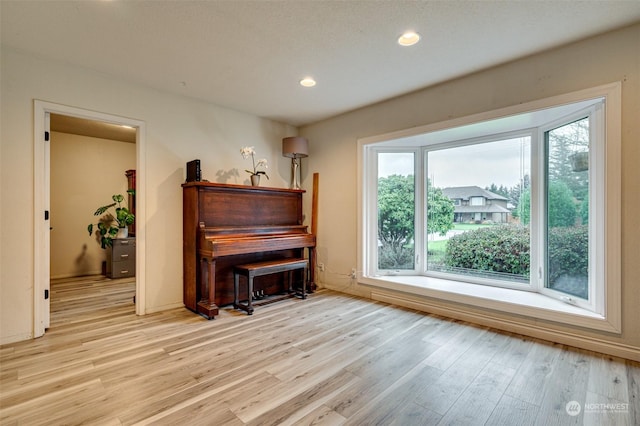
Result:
pixel 111 225
pixel 579 161
pixel 249 151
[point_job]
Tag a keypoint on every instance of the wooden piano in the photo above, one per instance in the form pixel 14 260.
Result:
pixel 226 225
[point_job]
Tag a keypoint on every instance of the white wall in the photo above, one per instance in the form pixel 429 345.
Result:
pixel 178 129
pixel 589 63
pixel 85 173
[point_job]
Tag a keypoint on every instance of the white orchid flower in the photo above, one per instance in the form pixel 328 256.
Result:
pixel 249 151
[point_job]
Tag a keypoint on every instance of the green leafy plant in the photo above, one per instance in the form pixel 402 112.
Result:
pixel 109 224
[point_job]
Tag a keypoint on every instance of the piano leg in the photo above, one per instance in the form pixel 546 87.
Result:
pixel 312 267
pixel 206 306
pixel 305 282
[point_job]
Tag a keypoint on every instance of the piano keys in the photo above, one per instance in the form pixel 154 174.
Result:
pixel 226 225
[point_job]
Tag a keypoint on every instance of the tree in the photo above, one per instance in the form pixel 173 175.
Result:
pixel 584 211
pixel 562 143
pixel 500 190
pixel 561 205
pixel 396 220
pixel 512 194
pixel 440 211
pixel 515 193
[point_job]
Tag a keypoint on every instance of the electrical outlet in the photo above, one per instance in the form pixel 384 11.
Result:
pixel 353 273
pixel 321 267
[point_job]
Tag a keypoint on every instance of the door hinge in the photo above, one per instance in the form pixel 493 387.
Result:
pixel 46 294
pixel 46 215
pixel 46 136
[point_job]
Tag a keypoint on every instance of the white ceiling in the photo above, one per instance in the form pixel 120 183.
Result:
pixel 250 55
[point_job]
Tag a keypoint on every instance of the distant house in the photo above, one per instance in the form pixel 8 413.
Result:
pixel 473 203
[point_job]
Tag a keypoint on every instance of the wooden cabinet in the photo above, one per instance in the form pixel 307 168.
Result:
pixel 131 199
pixel 121 259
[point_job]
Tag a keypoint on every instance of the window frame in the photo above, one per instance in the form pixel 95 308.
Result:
pixel 529 133
pixel 607 316
pixel 597 213
pixel 373 207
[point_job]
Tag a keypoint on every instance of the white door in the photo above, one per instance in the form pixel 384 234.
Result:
pixel 46 259
pixel 41 243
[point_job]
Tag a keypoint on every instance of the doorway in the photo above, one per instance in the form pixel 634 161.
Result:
pixel 42 200
pixel 90 162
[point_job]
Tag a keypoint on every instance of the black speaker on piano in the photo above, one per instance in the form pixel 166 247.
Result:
pixel 193 171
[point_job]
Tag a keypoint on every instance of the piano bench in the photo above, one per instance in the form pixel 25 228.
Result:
pixel 252 270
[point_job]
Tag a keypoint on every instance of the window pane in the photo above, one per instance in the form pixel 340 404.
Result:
pixel 477 201
pixel 478 210
pixel 568 209
pixel 396 211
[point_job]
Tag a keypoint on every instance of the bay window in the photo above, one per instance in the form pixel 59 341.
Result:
pixel 525 201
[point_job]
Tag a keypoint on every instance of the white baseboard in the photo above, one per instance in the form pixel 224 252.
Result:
pixel 74 275
pixel 16 338
pixel 537 331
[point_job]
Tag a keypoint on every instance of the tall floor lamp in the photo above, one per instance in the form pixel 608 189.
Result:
pixel 295 147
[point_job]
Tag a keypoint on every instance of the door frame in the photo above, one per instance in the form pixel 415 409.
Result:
pixel 41 182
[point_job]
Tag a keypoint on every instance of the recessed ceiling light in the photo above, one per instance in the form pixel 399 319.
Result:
pixel 307 82
pixel 409 38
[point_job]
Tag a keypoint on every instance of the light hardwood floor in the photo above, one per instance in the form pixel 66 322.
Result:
pixel 330 360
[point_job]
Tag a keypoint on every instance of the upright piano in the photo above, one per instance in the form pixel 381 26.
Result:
pixel 226 225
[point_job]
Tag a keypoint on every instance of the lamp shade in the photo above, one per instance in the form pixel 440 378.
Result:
pixel 295 147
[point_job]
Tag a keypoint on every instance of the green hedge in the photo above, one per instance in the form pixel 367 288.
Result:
pixel 505 249
pixel 568 252
pixel 501 248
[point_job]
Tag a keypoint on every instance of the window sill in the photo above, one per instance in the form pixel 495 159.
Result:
pixel 504 300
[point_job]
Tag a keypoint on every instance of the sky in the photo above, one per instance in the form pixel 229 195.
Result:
pixel 502 162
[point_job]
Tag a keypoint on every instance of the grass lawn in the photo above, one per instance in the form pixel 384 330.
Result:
pixel 438 246
pixel 437 250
